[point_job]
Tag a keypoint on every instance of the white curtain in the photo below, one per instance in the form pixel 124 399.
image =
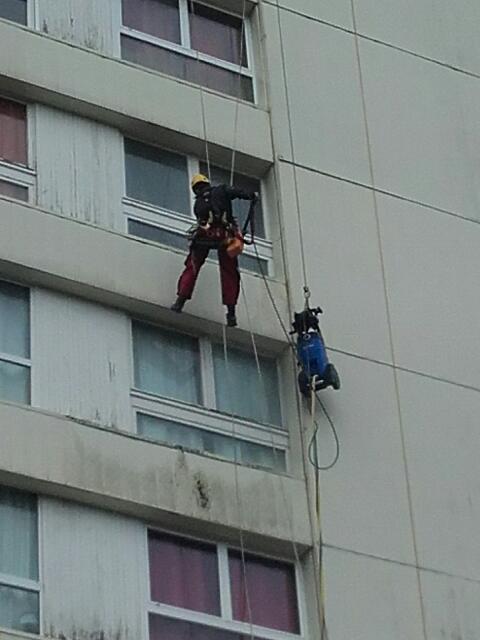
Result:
pixel 14 320
pixel 241 391
pixel 18 534
pixel 166 363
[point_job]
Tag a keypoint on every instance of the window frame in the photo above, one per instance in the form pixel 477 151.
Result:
pixel 26 584
pixel 225 621
pixel 18 174
pixel 184 48
pixel 206 416
pixel 174 222
pixel 20 360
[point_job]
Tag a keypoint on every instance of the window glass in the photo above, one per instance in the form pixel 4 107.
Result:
pixel 217 34
pixel 18 534
pixel 184 573
pixel 160 18
pixel 166 363
pixel 14 320
pixel 19 609
pixel 13 131
pixel 15 10
pixel 272 597
pixel 239 391
pixel 157 176
pixel 167 629
pixel 241 451
pixel 186 68
pixel 240 207
pixel 13 190
pixel 158 234
pixel 14 382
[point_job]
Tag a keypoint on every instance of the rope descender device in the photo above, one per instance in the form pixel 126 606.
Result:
pixel 316 371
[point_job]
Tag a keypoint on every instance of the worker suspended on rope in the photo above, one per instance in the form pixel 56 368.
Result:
pixel 216 228
pixel 316 371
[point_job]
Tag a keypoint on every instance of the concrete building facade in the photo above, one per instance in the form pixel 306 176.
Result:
pixel 155 481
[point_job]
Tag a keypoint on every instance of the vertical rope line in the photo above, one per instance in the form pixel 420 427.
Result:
pixel 202 103
pixel 292 146
pixel 237 100
pixel 389 316
pixel 237 487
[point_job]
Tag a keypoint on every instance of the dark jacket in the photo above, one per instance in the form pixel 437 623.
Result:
pixel 214 204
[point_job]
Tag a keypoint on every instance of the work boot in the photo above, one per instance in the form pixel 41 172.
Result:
pixel 231 317
pixel 178 305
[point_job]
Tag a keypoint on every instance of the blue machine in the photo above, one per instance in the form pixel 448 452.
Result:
pixel 312 355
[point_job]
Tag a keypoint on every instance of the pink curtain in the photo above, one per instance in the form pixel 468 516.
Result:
pixel 271 592
pixel 160 18
pixel 166 629
pixel 13 132
pixel 216 34
pixel 13 190
pixel 184 574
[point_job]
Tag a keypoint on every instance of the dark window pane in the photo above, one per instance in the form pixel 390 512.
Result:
pixel 157 176
pixel 160 18
pixel 242 381
pixel 184 573
pixel 12 190
pixel 240 207
pixel 217 34
pixel 166 363
pixel 242 451
pixel 19 609
pixel 13 131
pixel 186 68
pixel 272 595
pixel 15 10
pixel 14 382
pixel 14 320
pixel 166 629
pixel 157 234
pixel 18 534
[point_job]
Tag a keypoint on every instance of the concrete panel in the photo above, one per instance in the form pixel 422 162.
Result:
pixel 368 598
pixel 94 573
pixel 91 23
pixel 424 129
pixel 364 500
pixel 343 260
pixel 81 175
pixel 169 111
pixel 338 12
pixel 433 276
pixel 53 455
pixel 81 354
pixel 123 271
pixel 438 29
pixel 451 607
pixel 326 111
pixel 442 438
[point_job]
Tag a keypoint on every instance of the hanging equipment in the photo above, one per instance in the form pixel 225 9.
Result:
pixel 316 371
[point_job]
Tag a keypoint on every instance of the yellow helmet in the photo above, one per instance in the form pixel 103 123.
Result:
pixel 198 178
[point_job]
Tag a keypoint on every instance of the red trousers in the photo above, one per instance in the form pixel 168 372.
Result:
pixel 229 274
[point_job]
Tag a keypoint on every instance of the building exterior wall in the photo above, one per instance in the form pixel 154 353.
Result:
pixel 367 139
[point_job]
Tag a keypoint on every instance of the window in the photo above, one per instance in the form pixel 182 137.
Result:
pixel 159 203
pixel 16 179
pixel 191 41
pixel 14 343
pixel 19 580
pixel 200 591
pixel 179 398
pixel 15 10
